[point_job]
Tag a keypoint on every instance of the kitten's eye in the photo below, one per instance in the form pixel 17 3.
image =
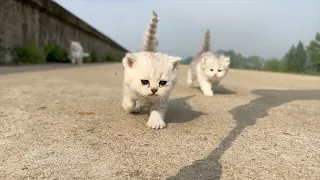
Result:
pixel 162 83
pixel 211 69
pixel 219 70
pixel 144 82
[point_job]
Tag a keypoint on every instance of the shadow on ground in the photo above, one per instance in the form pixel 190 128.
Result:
pixel 244 115
pixel 180 111
pixel 219 90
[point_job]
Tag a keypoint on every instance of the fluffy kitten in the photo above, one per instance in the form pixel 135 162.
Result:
pixel 76 52
pixel 208 68
pixel 149 78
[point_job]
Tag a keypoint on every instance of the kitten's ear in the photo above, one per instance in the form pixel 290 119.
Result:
pixel 203 61
pixel 175 61
pixel 227 60
pixel 129 60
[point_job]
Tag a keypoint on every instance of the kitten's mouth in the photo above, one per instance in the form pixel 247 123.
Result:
pixel 153 95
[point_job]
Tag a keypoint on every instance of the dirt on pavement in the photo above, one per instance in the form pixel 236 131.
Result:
pixel 68 124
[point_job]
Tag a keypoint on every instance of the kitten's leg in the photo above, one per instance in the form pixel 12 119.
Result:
pixel 206 87
pixel 80 61
pixel 139 106
pixel 189 78
pixel 128 103
pixel 73 60
pixel 157 113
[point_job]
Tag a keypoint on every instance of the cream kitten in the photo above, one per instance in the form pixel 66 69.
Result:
pixel 76 52
pixel 149 78
pixel 208 68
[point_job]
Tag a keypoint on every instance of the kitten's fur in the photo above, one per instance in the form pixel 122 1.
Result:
pixel 208 68
pixel 155 67
pixel 76 52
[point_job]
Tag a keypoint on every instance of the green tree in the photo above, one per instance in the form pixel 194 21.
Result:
pixel 187 60
pixel 272 65
pixel 290 59
pixel 314 52
pixel 254 62
pixel 296 58
pixel 300 57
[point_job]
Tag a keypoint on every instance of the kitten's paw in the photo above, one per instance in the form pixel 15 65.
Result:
pixel 128 106
pixel 189 83
pixel 156 123
pixel 208 93
pixel 136 109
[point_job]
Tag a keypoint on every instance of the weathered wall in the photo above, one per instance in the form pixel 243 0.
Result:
pixel 26 22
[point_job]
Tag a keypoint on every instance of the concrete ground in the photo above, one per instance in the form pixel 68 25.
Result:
pixel 68 124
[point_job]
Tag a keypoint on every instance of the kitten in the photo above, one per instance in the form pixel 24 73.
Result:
pixel 208 68
pixel 76 52
pixel 149 78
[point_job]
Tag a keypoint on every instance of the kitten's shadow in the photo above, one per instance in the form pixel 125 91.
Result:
pixel 220 89
pixel 179 111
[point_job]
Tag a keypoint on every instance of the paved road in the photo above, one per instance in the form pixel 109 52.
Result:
pixel 68 123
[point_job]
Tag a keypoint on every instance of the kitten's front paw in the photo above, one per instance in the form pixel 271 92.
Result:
pixel 156 123
pixel 189 83
pixel 128 106
pixel 208 93
pixel 136 109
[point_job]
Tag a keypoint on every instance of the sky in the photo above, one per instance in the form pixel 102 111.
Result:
pixel 266 28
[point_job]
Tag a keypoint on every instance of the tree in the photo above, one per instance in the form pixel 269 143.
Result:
pixel 187 60
pixel 314 52
pixel 254 62
pixel 296 58
pixel 300 57
pixel 272 65
pixel 290 60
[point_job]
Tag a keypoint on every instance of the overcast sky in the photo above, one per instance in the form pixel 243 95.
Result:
pixel 252 27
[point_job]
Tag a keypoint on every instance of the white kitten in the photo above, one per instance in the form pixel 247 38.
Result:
pixel 76 52
pixel 208 68
pixel 149 78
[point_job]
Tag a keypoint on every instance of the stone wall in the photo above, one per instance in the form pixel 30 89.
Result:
pixel 40 22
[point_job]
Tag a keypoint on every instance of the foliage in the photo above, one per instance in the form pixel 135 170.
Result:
pixel 114 58
pixel 296 58
pixel 94 56
pixel 187 60
pixel 314 53
pixel 87 59
pixel 29 55
pixel 56 54
pixel 254 62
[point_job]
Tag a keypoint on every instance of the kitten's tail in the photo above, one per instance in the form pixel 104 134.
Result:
pixel 84 54
pixel 206 42
pixel 150 41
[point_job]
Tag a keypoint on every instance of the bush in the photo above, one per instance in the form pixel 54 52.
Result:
pixel 56 54
pixel 114 58
pixel 29 55
pixel 87 59
pixel 94 56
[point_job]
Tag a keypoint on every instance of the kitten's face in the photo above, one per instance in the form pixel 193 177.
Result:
pixel 214 67
pixel 150 74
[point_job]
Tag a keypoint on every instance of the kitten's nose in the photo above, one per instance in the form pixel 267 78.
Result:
pixel 154 90
pixel 215 75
